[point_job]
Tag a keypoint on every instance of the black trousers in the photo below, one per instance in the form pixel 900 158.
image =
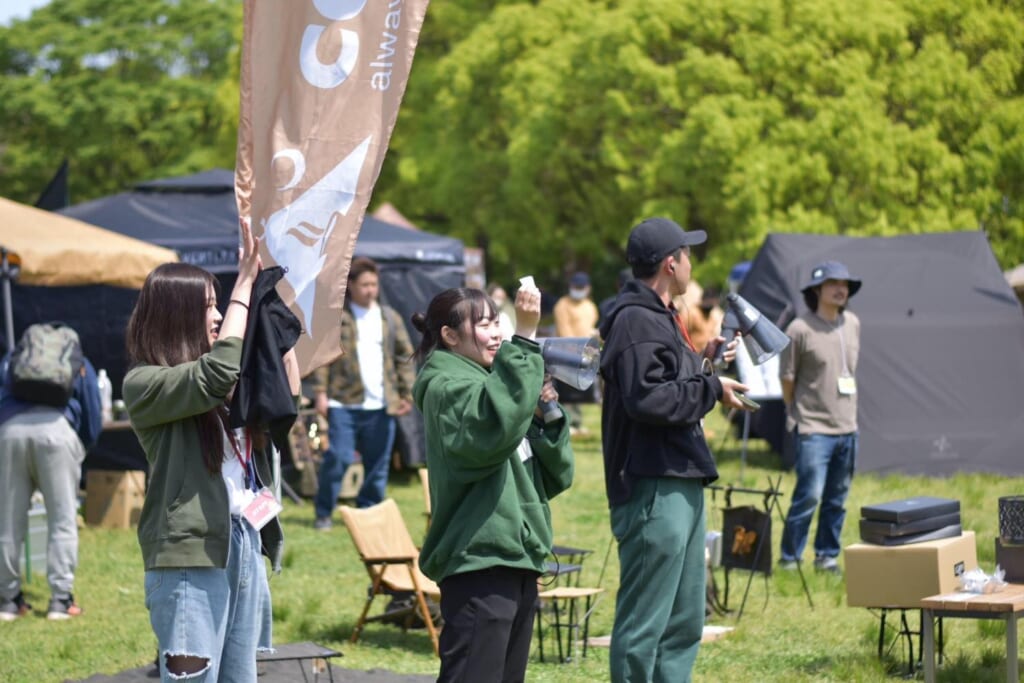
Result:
pixel 488 624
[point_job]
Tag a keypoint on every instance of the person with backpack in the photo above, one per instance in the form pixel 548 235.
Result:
pixel 50 415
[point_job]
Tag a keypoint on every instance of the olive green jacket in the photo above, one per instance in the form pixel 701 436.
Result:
pixel 185 519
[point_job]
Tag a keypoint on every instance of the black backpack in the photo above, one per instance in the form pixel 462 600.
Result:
pixel 45 363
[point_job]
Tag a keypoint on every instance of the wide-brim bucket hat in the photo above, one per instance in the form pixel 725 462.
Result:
pixel 832 270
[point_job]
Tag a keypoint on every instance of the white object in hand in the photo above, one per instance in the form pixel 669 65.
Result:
pixel 527 282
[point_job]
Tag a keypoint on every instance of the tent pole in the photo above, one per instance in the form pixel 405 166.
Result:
pixel 8 273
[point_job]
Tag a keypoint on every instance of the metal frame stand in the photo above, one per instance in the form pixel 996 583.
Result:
pixel 771 502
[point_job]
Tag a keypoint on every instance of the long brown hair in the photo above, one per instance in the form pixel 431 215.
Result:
pixel 168 327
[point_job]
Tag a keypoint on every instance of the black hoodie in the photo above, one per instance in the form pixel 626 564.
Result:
pixel 654 396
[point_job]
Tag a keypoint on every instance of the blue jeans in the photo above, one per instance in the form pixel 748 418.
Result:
pixel 824 470
pixel 372 433
pixel 220 615
pixel 659 610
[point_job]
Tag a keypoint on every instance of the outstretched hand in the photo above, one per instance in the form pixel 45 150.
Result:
pixel 527 311
pixel 249 262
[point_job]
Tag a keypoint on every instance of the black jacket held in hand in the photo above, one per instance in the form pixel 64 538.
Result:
pixel 654 396
pixel 262 396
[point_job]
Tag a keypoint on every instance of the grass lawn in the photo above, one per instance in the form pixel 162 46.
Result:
pixel 321 591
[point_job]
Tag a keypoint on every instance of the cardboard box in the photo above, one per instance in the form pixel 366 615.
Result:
pixel 900 576
pixel 113 499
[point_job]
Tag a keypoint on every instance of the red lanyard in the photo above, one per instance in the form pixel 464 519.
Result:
pixel 250 479
pixel 681 324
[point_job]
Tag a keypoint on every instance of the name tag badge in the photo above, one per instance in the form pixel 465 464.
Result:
pixel 263 508
pixel 847 385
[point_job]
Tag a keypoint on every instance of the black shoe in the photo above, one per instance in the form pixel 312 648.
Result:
pixel 63 608
pixel 15 608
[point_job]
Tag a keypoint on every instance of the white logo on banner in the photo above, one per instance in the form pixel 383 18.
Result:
pixel 334 74
pixel 296 235
pixel 298 166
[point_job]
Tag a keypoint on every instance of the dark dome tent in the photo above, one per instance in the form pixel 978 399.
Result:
pixel 942 345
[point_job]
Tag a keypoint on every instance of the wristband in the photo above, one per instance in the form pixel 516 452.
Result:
pixel 240 303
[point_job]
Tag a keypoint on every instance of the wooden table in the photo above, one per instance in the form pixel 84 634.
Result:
pixel 1007 604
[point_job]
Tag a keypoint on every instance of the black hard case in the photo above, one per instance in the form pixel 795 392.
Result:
pixel 918 526
pixel 910 509
pixel 945 532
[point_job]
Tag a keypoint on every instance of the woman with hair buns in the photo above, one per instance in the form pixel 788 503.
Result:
pixel 494 464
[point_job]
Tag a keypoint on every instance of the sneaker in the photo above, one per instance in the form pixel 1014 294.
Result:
pixel 788 565
pixel 322 524
pixel 12 609
pixel 827 564
pixel 63 608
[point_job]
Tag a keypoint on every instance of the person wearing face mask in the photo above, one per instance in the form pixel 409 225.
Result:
pixel 576 316
pixel 494 464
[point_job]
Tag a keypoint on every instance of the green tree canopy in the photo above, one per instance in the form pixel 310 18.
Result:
pixel 543 129
pixel 126 90
pixel 549 128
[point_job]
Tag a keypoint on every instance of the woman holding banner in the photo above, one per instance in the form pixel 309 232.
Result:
pixel 494 464
pixel 206 515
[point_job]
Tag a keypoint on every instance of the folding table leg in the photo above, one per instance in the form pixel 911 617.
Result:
pixel 558 629
pixel 586 627
pixel 540 629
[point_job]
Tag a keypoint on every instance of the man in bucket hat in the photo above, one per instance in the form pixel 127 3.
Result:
pixel 657 390
pixel 818 372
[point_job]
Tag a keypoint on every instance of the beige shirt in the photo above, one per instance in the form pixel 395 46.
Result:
pixel 575 318
pixel 814 361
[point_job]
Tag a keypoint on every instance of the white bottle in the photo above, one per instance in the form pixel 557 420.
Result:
pixel 106 397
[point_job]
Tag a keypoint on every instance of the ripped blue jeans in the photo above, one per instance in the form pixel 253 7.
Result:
pixel 222 616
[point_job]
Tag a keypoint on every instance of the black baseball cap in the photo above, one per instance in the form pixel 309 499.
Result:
pixel 655 238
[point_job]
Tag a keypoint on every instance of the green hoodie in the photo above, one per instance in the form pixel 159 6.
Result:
pixel 185 520
pixel 489 508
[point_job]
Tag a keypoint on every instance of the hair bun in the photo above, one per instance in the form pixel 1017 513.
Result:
pixel 419 321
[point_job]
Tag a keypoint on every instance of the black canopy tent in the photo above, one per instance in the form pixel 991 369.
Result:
pixel 197 217
pixel 942 333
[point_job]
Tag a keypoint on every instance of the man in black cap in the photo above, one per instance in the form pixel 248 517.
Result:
pixel 818 371
pixel 658 389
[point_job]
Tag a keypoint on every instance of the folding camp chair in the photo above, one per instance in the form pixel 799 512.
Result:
pixel 558 607
pixel 390 556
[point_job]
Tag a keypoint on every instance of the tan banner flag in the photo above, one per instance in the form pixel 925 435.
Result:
pixel 321 84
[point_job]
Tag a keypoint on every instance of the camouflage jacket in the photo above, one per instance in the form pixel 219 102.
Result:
pixel 342 380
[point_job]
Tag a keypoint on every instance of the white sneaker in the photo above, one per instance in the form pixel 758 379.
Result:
pixel 827 564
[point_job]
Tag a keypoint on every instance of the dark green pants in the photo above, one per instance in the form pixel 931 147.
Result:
pixel 659 611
